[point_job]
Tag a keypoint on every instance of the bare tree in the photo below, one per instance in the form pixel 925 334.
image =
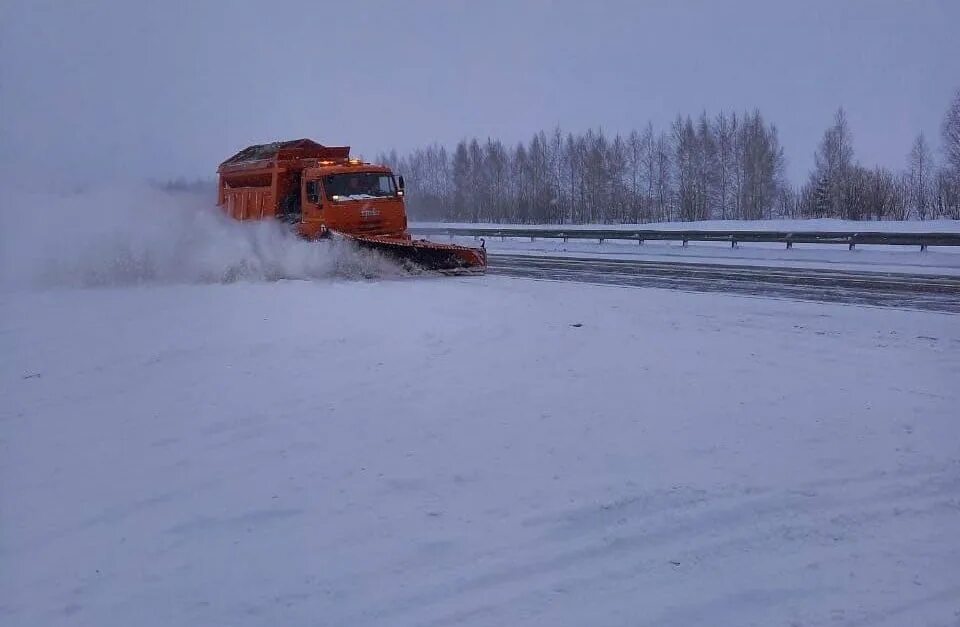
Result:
pixel 663 177
pixel 555 159
pixel 807 206
pixel 736 165
pixel 856 194
pixel 881 192
pixel 951 138
pixel 617 190
pixel 948 181
pixel 947 195
pixel 462 206
pixel 762 162
pixel 786 202
pixel 541 192
pixel 899 208
pixel 635 154
pixel 919 168
pixel 833 164
pixel 685 156
pixel 724 163
pixel 520 185
pixel 709 168
pixel 650 167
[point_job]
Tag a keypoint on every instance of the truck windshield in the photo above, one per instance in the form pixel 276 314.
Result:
pixel 359 186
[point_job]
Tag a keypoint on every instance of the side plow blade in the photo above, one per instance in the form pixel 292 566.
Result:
pixel 446 258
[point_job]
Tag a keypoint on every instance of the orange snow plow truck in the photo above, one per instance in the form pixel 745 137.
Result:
pixel 322 192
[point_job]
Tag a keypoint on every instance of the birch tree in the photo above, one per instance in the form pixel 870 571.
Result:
pixel 919 168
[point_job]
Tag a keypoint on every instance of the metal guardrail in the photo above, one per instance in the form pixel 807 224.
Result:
pixel 851 239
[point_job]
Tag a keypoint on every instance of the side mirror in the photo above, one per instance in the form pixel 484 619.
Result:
pixel 400 182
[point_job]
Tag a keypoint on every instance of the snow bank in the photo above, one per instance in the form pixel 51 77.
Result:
pixel 134 235
pixel 902 259
pixel 473 451
pixel 893 259
pixel 821 224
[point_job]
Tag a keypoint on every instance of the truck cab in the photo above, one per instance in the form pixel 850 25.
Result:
pixel 351 197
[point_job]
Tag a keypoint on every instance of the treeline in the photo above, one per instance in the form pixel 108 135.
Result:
pixel 181 184
pixel 840 187
pixel 727 166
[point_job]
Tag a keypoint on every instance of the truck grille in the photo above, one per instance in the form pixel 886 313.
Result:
pixel 371 226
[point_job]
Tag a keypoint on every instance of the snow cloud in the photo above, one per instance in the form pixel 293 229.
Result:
pixel 134 235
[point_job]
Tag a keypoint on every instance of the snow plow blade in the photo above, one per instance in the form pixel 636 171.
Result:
pixel 445 258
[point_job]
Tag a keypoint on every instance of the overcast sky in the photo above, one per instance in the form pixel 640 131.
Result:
pixel 128 88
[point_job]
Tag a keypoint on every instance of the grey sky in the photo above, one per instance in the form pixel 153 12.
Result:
pixel 94 88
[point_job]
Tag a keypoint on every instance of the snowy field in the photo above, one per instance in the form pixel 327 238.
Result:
pixel 455 451
pixel 902 259
pixel 198 429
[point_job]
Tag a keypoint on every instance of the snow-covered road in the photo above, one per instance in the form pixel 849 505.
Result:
pixel 908 291
pixel 473 451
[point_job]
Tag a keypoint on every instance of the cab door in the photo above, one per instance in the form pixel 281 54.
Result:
pixel 313 207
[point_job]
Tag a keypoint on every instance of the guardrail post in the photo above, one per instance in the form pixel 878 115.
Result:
pixel 789 244
pixel 923 248
pixel 639 241
pixel 684 244
pixel 601 240
pixel 733 244
pixel 852 244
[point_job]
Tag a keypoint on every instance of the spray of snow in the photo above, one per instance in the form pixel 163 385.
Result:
pixel 132 235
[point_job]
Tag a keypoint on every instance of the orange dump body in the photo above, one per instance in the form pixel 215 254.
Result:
pixel 321 190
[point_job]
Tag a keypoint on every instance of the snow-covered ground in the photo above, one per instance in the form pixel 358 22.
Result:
pixel 460 451
pixel 902 259
pixel 180 450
